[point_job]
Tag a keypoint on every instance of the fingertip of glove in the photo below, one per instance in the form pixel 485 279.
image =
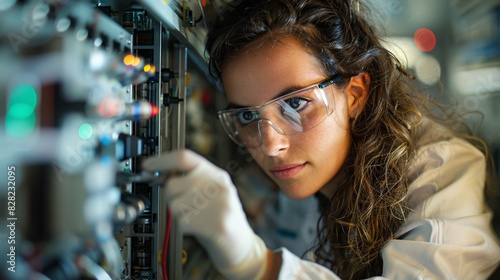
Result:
pixel 149 164
pixel 181 160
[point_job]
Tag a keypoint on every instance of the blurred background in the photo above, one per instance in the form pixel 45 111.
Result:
pixel 454 44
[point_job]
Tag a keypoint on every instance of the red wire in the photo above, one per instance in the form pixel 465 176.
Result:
pixel 165 245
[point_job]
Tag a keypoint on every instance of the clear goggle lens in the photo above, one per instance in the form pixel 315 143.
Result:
pixel 292 113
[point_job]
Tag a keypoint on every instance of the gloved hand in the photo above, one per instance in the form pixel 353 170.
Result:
pixel 207 207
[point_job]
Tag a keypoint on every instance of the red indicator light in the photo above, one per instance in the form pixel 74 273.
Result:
pixel 154 110
pixel 425 39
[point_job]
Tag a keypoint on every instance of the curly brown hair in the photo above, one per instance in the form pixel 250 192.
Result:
pixel 370 207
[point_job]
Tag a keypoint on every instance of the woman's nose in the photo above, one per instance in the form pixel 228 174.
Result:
pixel 273 141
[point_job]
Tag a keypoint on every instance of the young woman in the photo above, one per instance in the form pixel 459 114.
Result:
pixel 325 109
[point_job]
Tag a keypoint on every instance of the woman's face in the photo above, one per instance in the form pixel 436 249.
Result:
pixel 300 164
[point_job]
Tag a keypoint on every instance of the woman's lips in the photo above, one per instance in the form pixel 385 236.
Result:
pixel 286 171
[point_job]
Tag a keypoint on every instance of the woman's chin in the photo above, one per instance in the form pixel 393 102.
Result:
pixel 297 193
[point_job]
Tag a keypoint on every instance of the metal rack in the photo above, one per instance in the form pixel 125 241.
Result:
pixel 112 80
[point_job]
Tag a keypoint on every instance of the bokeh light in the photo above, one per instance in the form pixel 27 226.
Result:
pixel 136 61
pixel 428 69
pixel 404 49
pixel 20 120
pixel 85 131
pixel 128 59
pixel 425 39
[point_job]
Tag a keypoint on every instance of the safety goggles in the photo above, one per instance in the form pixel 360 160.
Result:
pixel 289 114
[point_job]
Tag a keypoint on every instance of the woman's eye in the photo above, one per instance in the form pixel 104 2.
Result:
pixel 247 117
pixel 297 103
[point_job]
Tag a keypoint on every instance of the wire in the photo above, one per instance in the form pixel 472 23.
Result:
pixel 93 268
pixel 112 255
pixel 165 245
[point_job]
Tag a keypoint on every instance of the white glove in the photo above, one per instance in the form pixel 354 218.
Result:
pixel 207 206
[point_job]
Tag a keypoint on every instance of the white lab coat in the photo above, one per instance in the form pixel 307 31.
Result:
pixel 447 235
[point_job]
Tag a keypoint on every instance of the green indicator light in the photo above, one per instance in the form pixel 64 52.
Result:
pixel 85 131
pixel 20 111
pixel 19 127
pixel 20 120
pixel 23 94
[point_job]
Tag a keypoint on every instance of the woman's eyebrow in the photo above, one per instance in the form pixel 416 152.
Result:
pixel 232 105
pixel 287 90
